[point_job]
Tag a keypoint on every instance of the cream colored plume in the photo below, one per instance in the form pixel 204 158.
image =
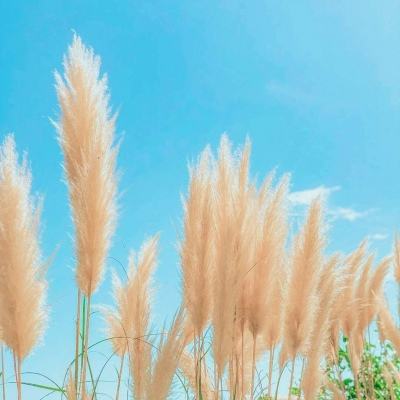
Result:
pixel 342 308
pixel 234 242
pixel 328 291
pixel 22 282
pixel 269 263
pixel 186 365
pixel 302 302
pixel 197 244
pixel 167 361
pixel 86 135
pixel 387 326
pixel 130 319
pixel 348 301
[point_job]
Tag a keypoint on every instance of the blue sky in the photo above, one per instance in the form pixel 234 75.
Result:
pixel 315 85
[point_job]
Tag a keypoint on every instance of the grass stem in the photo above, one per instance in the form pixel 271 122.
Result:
pixel 85 347
pixel 121 367
pixel 77 334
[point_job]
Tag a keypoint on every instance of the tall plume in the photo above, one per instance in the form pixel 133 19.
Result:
pixel 186 363
pixel 268 262
pixel 307 261
pixel 22 282
pixel 129 323
pixel 167 362
pixel 197 244
pixel 86 135
pixel 328 290
pixel 233 245
pixel 342 308
pixel 387 326
pixel 265 308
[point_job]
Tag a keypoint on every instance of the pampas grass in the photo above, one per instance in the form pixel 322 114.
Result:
pixel 22 282
pixel 301 304
pixel 167 361
pixel 197 244
pixel 129 323
pixel 197 252
pixel 328 290
pixel 233 249
pixel 254 298
pixel 86 135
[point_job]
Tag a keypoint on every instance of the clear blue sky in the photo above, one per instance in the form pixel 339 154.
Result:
pixel 315 84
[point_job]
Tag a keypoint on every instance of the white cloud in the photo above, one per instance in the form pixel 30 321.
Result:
pixel 305 197
pixel 349 214
pixel 379 236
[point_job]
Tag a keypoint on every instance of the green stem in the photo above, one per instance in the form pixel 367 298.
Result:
pixel 77 333
pixel 121 367
pixel 85 348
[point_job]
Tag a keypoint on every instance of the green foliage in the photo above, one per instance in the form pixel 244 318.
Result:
pixel 376 378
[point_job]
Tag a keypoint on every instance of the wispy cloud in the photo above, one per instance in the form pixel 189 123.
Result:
pixel 303 198
pixel 289 93
pixel 349 214
pixel 379 236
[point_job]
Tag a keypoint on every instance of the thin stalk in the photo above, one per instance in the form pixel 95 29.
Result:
pixel 83 333
pixel 3 382
pixel 242 365
pixel 77 332
pixel 121 367
pixel 85 349
pixel 17 375
pixel 270 365
pixel 196 391
pixel 202 364
pixel 253 367
pixel 301 379
pixel 19 365
pixel 291 380
pixel 279 381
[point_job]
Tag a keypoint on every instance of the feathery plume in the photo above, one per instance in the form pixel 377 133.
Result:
pixel 22 283
pixel 70 388
pixel 167 361
pixel 328 289
pixel 341 309
pixel 130 320
pixel 387 327
pixel 268 263
pixel 347 301
pixel 186 363
pixel 196 246
pixel 301 306
pixel 86 135
pixel 233 244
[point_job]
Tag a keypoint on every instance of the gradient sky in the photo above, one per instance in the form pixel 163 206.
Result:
pixel 314 84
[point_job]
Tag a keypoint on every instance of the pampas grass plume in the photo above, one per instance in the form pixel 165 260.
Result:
pixel 22 283
pixel 86 135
